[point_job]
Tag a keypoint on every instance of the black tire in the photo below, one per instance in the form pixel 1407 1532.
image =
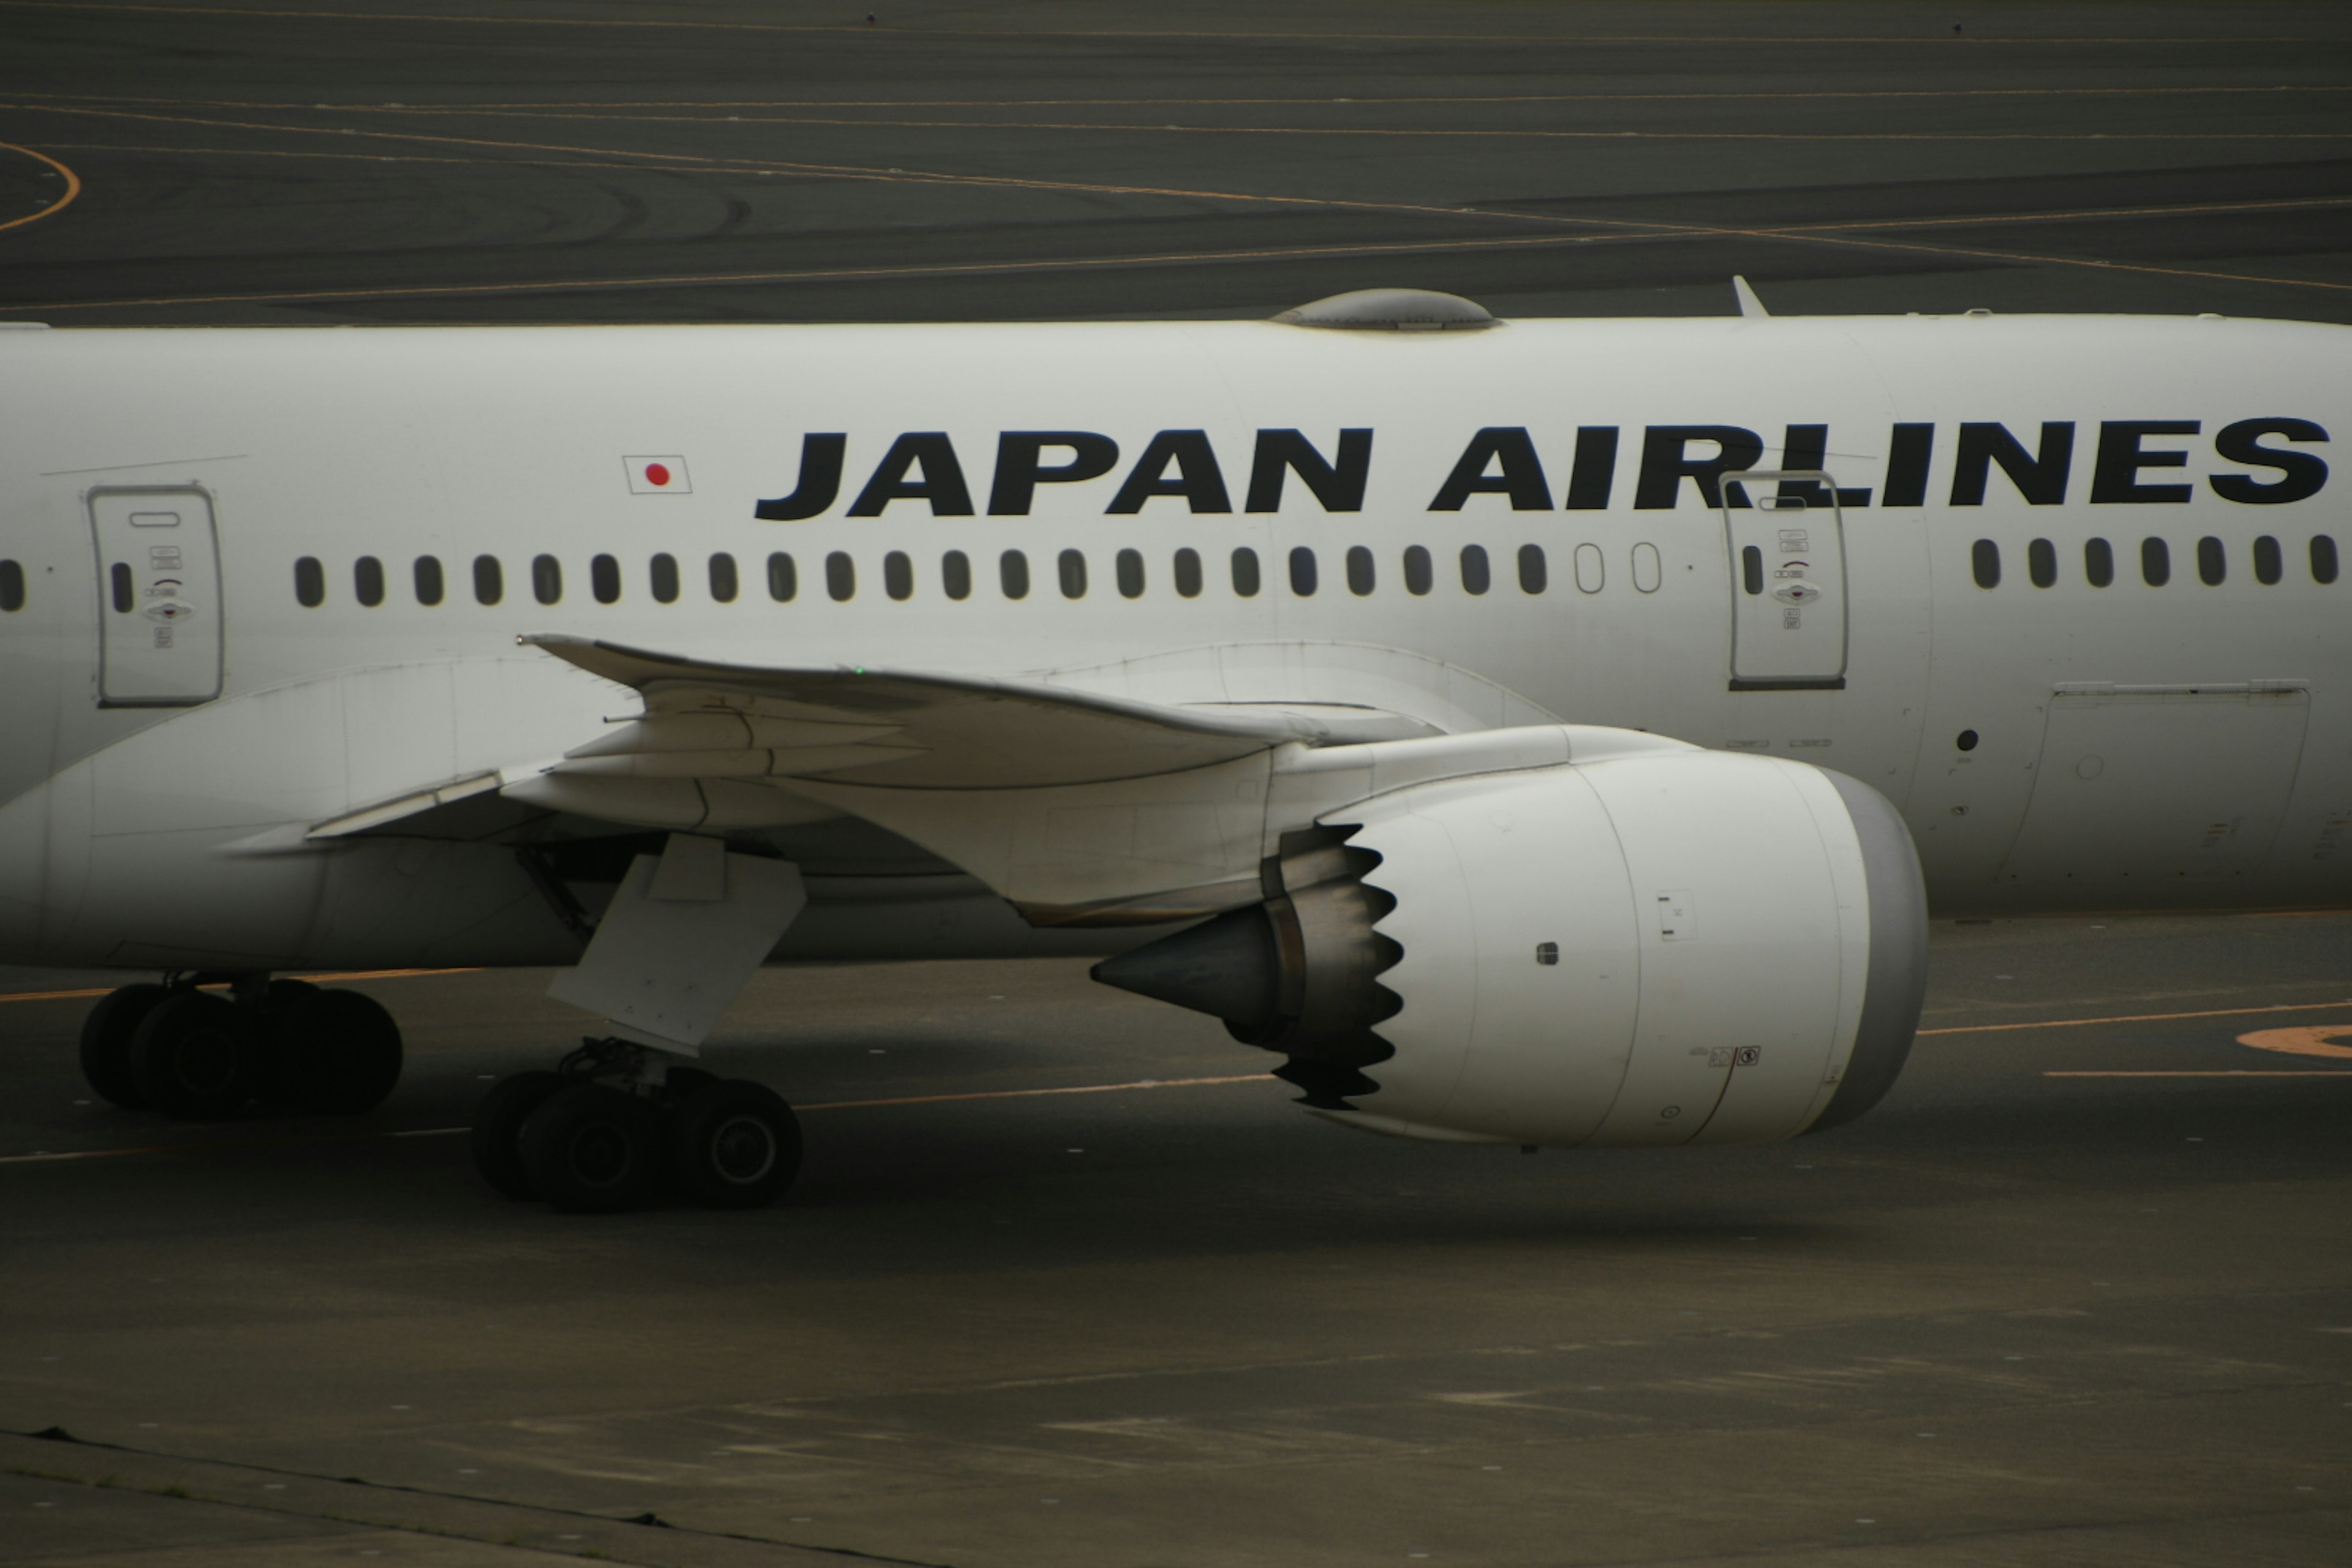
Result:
pixel 338 1052
pixel 273 1081
pixel 106 1043
pixel 497 1129
pixel 194 1056
pixel 734 1145
pixel 592 1150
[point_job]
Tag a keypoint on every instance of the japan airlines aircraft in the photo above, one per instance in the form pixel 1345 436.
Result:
pixel 1538 732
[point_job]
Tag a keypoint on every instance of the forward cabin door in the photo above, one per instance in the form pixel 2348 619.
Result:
pixel 1787 539
pixel 159 598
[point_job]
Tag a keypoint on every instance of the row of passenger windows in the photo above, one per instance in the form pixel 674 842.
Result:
pixel 2269 562
pixel 11 585
pixel 1071 574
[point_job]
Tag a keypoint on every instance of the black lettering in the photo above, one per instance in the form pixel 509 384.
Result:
pixel 2039 478
pixel 1019 473
pixel 1198 479
pixel 1664 466
pixel 1339 487
pixel 1521 475
pixel 942 484
pixel 1908 451
pixel 820 481
pixel 2300 473
pixel 2115 476
pixel 1596 468
pixel 1806 447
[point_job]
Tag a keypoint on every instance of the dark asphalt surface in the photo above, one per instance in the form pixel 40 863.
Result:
pixel 718 160
pixel 2008 1318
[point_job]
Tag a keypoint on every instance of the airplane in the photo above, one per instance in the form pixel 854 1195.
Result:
pixel 1534 732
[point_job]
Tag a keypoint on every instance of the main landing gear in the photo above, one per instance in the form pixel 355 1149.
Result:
pixel 612 1124
pixel 195 1056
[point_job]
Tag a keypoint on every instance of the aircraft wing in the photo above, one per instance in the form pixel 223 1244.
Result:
pixel 905 728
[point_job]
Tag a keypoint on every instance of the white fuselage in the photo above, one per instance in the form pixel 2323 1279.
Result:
pixel 2131 745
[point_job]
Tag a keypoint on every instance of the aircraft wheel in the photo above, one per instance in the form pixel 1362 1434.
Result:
pixel 735 1145
pixel 338 1052
pixel 273 1084
pixel 592 1150
pixel 194 1056
pixel 106 1043
pixel 497 1129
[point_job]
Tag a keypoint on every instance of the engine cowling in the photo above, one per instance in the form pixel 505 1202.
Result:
pixel 1672 947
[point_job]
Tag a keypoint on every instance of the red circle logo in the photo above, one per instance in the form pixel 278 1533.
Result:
pixel 657 473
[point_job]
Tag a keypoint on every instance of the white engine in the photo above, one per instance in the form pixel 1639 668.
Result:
pixel 1671 947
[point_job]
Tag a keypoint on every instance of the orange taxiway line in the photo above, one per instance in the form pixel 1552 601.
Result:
pixel 2136 1018
pixel 2228 1072
pixel 73 186
pixel 349 974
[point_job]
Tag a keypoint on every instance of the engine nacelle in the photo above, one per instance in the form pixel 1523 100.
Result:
pixel 1670 947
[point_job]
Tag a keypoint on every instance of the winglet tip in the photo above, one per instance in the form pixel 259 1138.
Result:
pixel 1749 305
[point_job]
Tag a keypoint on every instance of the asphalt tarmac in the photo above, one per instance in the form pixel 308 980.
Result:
pixel 1065 1280
pixel 729 160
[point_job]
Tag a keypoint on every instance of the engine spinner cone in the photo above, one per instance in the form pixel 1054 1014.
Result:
pixel 1226 966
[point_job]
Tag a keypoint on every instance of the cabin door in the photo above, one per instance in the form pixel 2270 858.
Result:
pixel 159 598
pixel 1787 540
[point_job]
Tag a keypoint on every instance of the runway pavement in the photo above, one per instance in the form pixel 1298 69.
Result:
pixel 1066 1281
pixel 720 160
pixel 2016 1315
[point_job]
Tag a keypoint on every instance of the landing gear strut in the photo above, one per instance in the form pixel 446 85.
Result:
pixel 193 1055
pixel 615 1122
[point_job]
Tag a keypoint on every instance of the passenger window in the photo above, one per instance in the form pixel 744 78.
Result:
pixel 784 578
pixel 1012 573
pixel 840 577
pixel 2042 562
pixel 1302 572
pixel 1648 570
pixel 2268 565
pixel 2212 562
pixel 899 575
pixel 955 575
pixel 118 576
pixel 309 584
pixel 1246 577
pixel 429 585
pixel 1418 577
pixel 604 579
pixel 664 578
pixel 2155 562
pixel 1591 572
pixel 2098 562
pixel 12 586
pixel 1188 574
pixel 1360 579
pixel 1130 573
pixel 367 581
pixel 1984 559
pixel 546 579
pixel 1535 574
pixel 2322 558
pixel 1476 576
pixel 489 580
pixel 723 583
pixel 1752 569
pixel 1073 567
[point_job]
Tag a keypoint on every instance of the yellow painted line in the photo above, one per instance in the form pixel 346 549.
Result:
pixel 44 1157
pixel 2235 1072
pixel 2319 1041
pixel 2136 1018
pixel 73 186
pixel 348 974
pixel 1029 1093
pixel 607 105
pixel 1938 38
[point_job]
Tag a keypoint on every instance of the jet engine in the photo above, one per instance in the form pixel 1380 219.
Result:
pixel 1675 946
